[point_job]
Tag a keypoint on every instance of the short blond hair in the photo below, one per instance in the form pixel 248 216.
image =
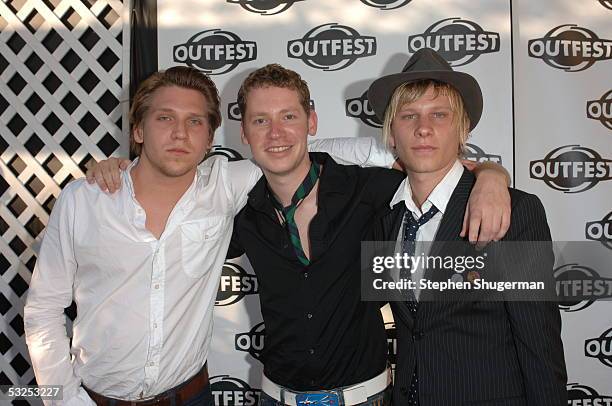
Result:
pixel 411 91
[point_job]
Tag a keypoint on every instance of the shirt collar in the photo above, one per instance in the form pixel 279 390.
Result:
pixel 128 184
pixel 332 181
pixel 439 196
pixel 126 178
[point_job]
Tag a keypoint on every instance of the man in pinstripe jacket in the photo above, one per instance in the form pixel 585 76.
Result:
pixel 458 352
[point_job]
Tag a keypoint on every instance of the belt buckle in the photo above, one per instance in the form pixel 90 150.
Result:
pixel 317 399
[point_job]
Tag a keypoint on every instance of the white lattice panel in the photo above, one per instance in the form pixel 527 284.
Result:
pixel 62 103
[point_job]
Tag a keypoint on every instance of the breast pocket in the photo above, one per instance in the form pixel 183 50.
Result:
pixel 202 242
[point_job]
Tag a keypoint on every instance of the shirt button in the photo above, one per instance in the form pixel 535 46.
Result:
pixel 309 315
pixel 305 275
pixel 154 325
pixel 156 286
pixel 311 351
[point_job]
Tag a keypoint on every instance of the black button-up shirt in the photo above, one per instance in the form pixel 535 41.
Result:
pixel 319 334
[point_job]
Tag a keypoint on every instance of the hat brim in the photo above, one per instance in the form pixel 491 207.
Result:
pixel 381 90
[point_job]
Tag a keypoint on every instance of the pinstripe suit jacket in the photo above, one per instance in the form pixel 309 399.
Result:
pixel 479 353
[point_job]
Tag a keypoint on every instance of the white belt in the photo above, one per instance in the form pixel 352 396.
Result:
pixel 353 394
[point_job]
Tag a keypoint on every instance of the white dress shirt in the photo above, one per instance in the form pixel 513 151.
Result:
pixel 438 197
pixel 362 151
pixel 144 305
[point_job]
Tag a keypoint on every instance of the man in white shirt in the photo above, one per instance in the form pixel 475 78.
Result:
pixel 139 263
pixel 495 352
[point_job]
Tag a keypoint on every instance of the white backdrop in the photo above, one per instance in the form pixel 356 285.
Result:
pixel 544 68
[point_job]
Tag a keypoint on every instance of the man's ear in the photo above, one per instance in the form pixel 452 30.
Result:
pixel 138 134
pixel 313 122
pixel 209 144
pixel 243 137
pixel 391 141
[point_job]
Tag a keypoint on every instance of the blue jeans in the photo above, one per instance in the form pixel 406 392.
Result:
pixel 380 399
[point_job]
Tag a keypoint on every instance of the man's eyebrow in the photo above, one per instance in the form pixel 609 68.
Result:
pixel 169 110
pixel 434 106
pixel 290 109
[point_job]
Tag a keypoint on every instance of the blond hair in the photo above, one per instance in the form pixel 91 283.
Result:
pixel 411 91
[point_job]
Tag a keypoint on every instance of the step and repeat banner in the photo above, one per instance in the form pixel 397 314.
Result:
pixel 546 73
pixel 563 154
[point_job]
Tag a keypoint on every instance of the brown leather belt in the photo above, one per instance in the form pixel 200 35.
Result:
pixel 180 394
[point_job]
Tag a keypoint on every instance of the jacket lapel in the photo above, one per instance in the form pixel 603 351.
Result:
pixel 452 220
pixel 447 236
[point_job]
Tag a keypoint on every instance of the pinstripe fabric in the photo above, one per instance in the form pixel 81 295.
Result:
pixel 479 353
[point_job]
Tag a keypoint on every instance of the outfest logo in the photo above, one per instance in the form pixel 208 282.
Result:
pixel 232 391
pixel 215 51
pixel 229 153
pixel 571 169
pixel 579 286
pixel 386 4
pixel 601 110
pixel 600 231
pixel 331 47
pixel 600 348
pixel 606 3
pixel 475 153
pixel 459 41
pixel 360 108
pixel 265 7
pixel 233 110
pixel 251 342
pixel 582 395
pixel 570 48
pixel 235 284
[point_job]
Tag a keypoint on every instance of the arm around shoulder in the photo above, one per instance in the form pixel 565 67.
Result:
pixel 241 177
pixel 362 151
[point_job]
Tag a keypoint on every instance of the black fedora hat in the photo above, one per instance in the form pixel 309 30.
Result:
pixel 427 64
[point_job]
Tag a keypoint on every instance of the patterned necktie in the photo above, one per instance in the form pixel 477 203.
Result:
pixel 288 213
pixel 411 226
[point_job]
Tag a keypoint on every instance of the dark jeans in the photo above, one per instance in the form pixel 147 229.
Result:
pixel 380 399
pixel 204 398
